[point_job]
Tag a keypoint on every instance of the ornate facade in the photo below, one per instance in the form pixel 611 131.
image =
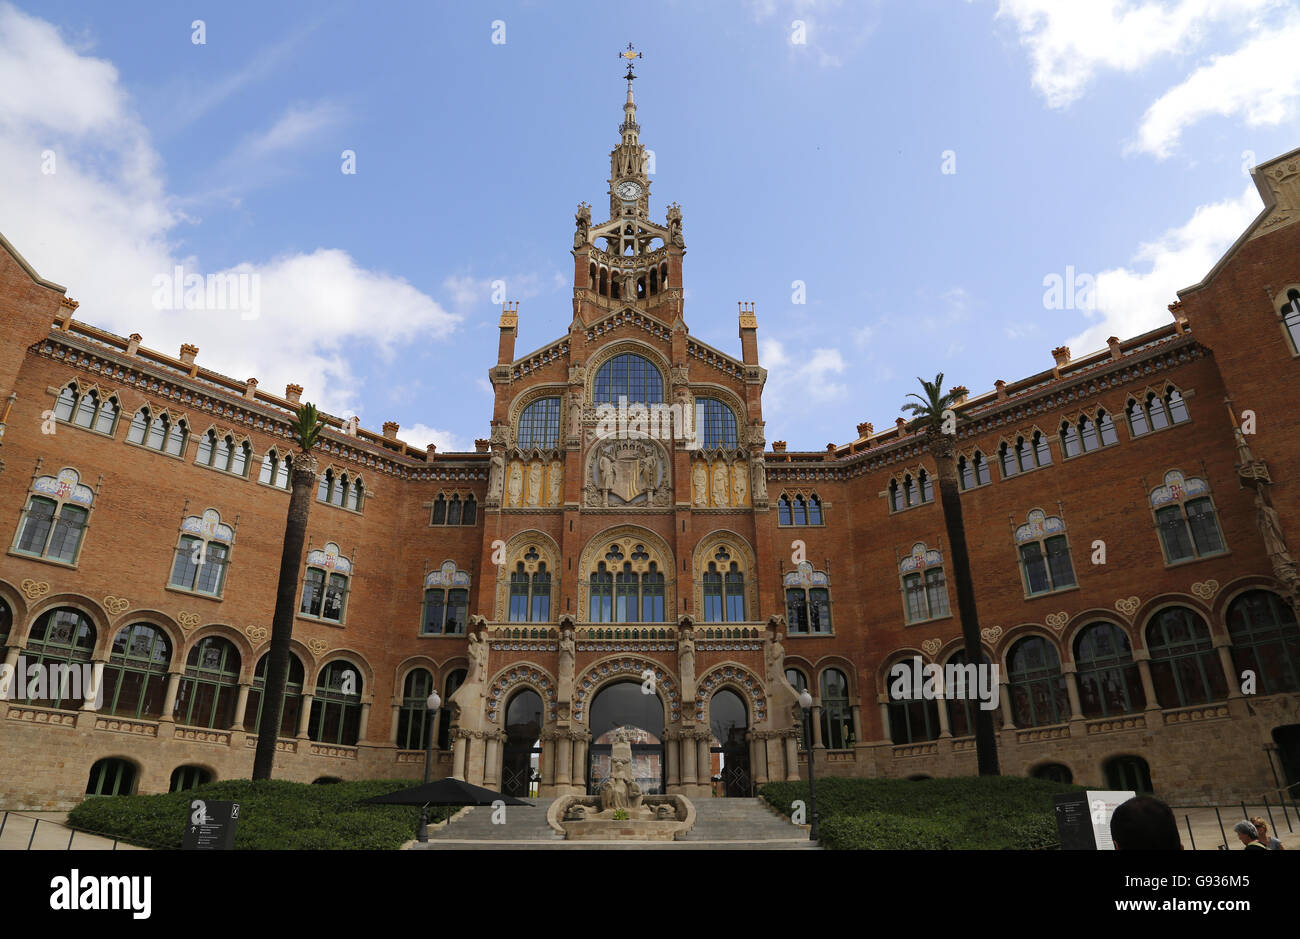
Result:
pixel 624 552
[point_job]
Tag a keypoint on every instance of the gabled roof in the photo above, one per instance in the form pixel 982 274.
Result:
pixel 31 271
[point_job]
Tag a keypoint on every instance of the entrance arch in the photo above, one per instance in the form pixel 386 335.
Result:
pixel 522 754
pixel 624 706
pixel 729 748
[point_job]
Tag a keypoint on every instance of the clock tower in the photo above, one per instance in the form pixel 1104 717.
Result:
pixel 629 259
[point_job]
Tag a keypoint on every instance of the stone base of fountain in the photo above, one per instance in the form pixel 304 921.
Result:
pixel 650 818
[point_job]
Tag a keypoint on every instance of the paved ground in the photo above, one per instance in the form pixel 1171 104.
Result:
pixel 51 834
pixel 720 825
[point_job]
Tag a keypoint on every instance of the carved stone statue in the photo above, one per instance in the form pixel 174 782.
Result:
pixel 583 219
pixel 739 484
pixel 556 482
pixel 575 413
pixel 700 484
pixel 649 471
pixel 478 658
pixel 516 484
pixel 567 649
pixel 759 472
pixel 534 483
pixel 686 659
pixel 1270 528
pixel 784 697
pixel 604 473
pixel 620 790
pixel 721 491
pixel 496 477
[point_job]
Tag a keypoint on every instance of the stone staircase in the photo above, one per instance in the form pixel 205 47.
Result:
pixel 720 825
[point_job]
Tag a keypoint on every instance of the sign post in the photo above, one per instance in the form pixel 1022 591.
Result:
pixel 211 826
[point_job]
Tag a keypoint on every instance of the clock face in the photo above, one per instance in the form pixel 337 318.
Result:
pixel 628 191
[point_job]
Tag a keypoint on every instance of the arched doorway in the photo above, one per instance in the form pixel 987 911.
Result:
pixel 521 763
pixel 1287 739
pixel 626 706
pixel 729 750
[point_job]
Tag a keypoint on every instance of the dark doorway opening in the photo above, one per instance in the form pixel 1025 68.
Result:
pixel 521 762
pixel 729 752
pixel 626 706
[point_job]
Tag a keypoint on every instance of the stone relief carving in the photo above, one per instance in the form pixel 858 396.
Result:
pixel 627 472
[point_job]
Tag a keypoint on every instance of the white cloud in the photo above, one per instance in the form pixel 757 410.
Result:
pixel 1070 41
pixel 1131 301
pixel 105 225
pixel 810 381
pixel 467 291
pixel 421 435
pixel 1259 82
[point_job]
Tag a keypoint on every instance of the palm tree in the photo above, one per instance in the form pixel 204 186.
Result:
pixel 937 414
pixel 307 426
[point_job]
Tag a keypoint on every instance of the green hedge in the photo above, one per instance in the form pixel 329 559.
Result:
pixel 968 812
pixel 273 815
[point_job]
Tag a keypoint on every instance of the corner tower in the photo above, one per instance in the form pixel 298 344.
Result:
pixel 628 260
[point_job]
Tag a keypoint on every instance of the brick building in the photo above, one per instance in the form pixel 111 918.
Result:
pixel 624 552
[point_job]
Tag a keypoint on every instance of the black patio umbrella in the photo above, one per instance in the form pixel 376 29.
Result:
pixel 447 791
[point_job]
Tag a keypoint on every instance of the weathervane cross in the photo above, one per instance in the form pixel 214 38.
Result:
pixel 628 56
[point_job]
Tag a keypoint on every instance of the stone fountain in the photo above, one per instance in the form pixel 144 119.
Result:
pixel 621 811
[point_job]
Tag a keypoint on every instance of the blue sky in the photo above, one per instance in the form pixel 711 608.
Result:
pixel 1104 136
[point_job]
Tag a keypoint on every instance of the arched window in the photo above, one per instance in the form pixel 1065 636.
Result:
pixel 414 720
pixel 1070 440
pixel 911 719
pixel 637 587
pixel 158 432
pixel 1136 413
pixel 135 678
pixel 275 470
pixel 800 511
pixel 539 425
pixel 111 776
pixel 189 777
pixel 1106 429
pixel 1290 313
pixel 1044 554
pixel 724 589
pixel 291 703
pixel 202 554
pixel 785 510
pixel 1128 774
pixel 1053 772
pixel 1185 518
pixel 1176 405
pixel 1038 694
pixel 336 707
pixel 925 591
pixel 837 718
pixel 962 707
pixel 60 645
pixel 89 410
pixel 454 680
pixel 1108 678
pixel 800 683
pixel 223 453
pixel 207 693
pixel 895 496
pixel 629 376
pixel 446 601
pixel 807 601
pixel 1185 666
pixel 601 588
pixel 1007 455
pixel 973 472
pixel 717 424
pixel 325 584
pixel 6 620
pixel 54 518
pixel 815 506
pixel 1265 640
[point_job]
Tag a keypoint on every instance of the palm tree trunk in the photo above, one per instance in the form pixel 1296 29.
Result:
pixel 943 449
pixel 286 593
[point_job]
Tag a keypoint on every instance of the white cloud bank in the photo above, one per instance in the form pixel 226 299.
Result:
pixel 105 225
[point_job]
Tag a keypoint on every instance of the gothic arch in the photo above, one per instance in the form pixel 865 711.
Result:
pixel 704 551
pixel 516 545
pixel 638 346
pixel 529 395
pixel 591 679
pixel 510 679
pixel 599 544
pixel 738 678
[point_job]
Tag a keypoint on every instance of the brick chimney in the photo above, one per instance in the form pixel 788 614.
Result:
pixel 778 446
pixel 390 430
pixel 960 393
pixel 1001 386
pixel 900 423
pixel 865 429
pixel 133 343
pixel 482 446
pixel 430 450
pixel 250 388
pixel 509 327
pixel 1062 356
pixel 1113 343
pixel 188 352
pixel 293 393
pixel 830 448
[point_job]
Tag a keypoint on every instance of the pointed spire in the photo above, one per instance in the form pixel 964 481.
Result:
pixel 629 128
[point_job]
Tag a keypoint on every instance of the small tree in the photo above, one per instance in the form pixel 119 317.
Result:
pixel 307 426
pixel 937 414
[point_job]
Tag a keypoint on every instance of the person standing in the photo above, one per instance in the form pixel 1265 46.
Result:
pixel 1249 836
pixel 1261 826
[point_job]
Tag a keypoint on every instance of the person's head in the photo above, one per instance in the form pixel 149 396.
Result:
pixel 1261 826
pixel 1246 831
pixel 1144 823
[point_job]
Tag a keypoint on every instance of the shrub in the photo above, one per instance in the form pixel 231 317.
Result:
pixel 273 815
pixel 967 812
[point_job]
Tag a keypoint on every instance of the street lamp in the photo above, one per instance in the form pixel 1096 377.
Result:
pixel 805 702
pixel 431 703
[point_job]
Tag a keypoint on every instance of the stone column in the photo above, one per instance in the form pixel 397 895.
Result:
pixel 1072 690
pixel 817 726
pixel 670 755
pixel 11 656
pixel 169 696
pixel 857 724
pixel 1229 667
pixel 945 729
pixel 688 760
pixel 758 759
pixel 304 719
pixel 492 762
pixel 579 775
pixel 459 747
pixel 704 766
pixel 241 707
pixel 1008 718
pixel 1143 659
pixel 791 759
pixel 364 729
pixel 548 773
pixel 564 759
pixel 392 728
pixel 97 671
pixel 884 715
